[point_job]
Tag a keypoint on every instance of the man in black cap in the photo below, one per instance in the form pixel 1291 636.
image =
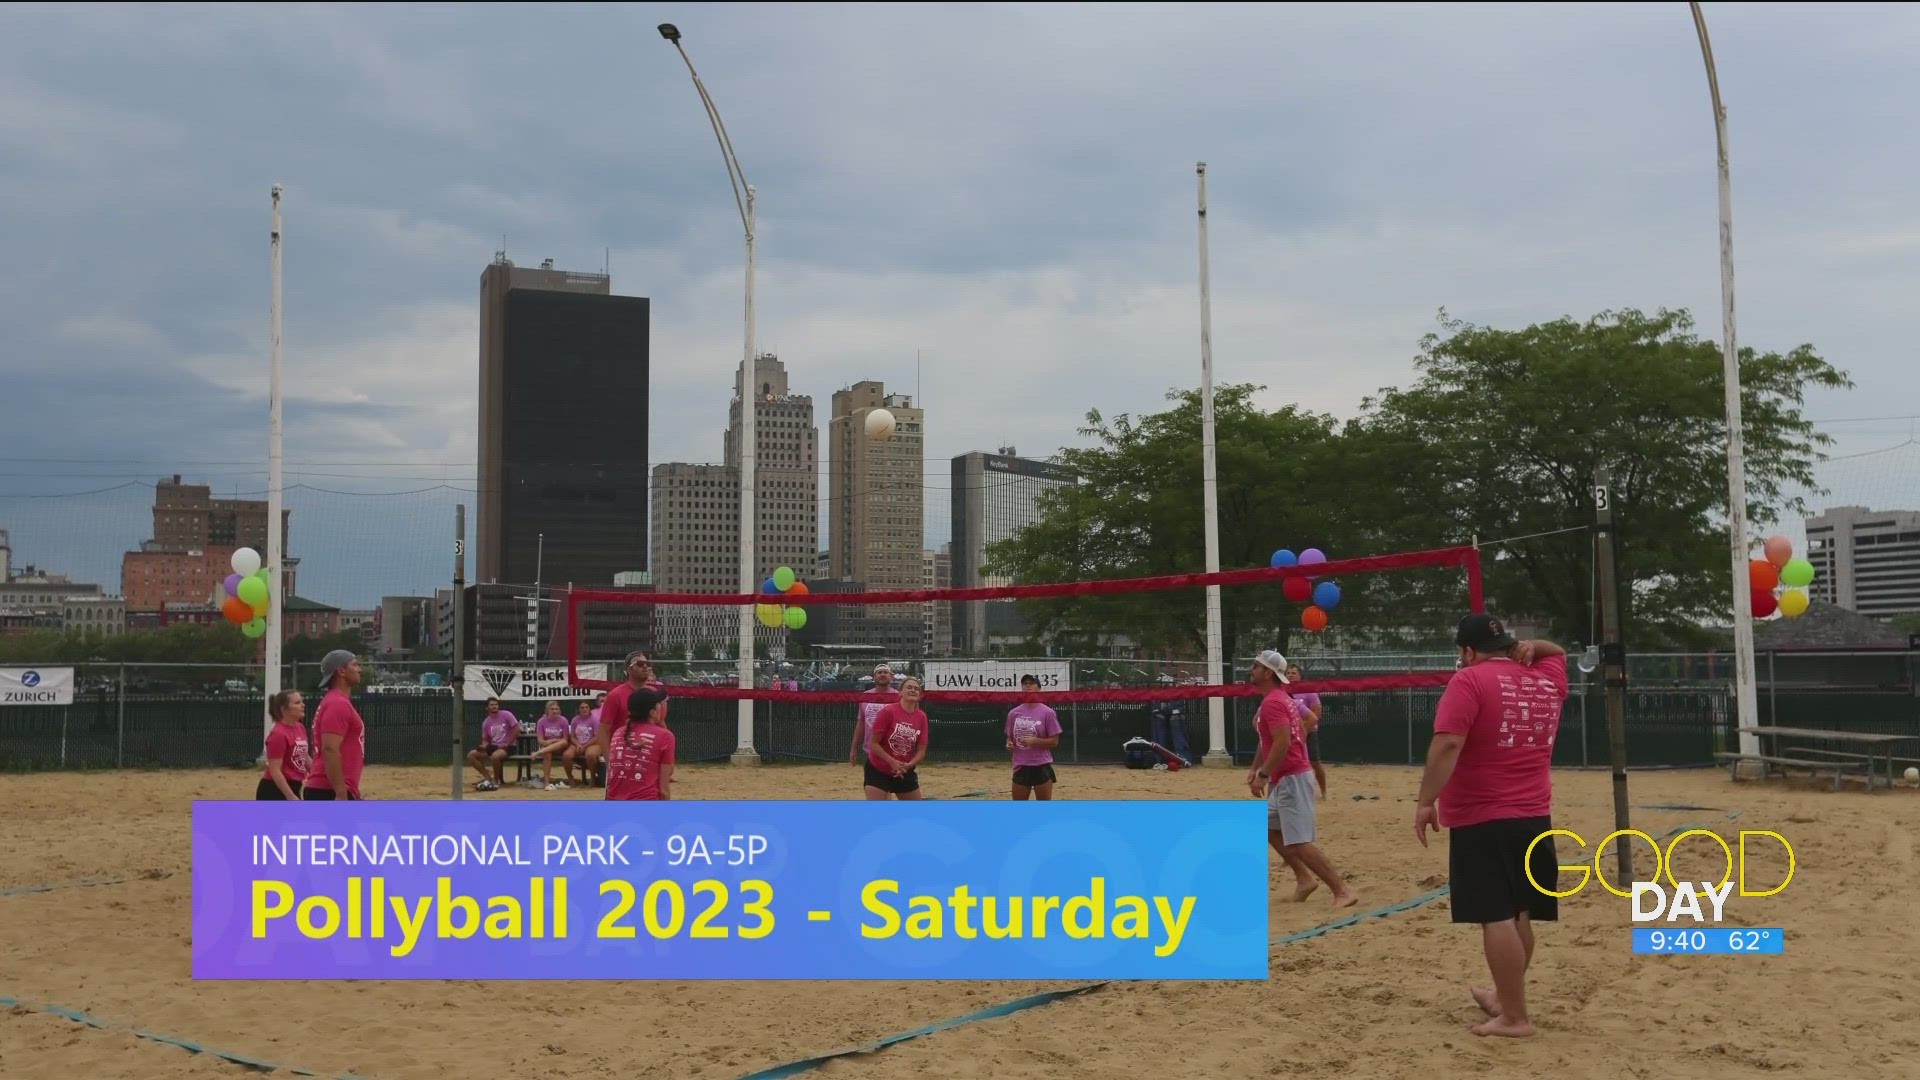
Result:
pixel 1489 781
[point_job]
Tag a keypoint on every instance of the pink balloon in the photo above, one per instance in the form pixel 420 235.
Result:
pixel 1779 550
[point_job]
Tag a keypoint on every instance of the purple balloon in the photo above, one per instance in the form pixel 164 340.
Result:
pixel 1312 557
pixel 233 584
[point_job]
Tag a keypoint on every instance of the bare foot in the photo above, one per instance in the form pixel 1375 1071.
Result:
pixel 1488 1000
pixel 1504 1028
pixel 1304 889
pixel 1345 899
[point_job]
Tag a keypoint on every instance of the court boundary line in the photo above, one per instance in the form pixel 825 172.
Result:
pixel 90 883
pixel 1034 1001
pixel 91 1021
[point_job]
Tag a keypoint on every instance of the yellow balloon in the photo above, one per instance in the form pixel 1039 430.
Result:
pixel 769 615
pixel 1793 603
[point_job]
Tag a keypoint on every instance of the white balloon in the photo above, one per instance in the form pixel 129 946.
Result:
pixel 879 424
pixel 246 562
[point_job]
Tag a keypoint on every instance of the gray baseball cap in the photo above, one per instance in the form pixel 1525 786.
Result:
pixel 1274 662
pixel 331 664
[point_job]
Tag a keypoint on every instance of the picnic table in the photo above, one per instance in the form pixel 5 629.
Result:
pixel 1872 742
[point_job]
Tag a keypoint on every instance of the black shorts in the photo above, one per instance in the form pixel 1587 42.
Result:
pixel 1313 745
pixel 891 784
pixel 1033 776
pixel 1487 871
pixel 318 795
pixel 268 791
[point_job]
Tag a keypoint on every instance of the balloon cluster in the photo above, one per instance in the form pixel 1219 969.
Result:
pixel 1320 597
pixel 787 585
pixel 247 593
pixel 1779 570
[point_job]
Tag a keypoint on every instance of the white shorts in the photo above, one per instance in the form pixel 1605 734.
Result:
pixel 1290 808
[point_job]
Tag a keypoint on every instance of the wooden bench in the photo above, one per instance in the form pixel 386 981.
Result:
pixel 1769 764
pixel 1833 753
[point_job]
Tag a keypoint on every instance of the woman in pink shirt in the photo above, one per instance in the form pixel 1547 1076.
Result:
pixel 550 737
pixel 1310 710
pixel 581 747
pixel 640 752
pixel 1033 730
pixel 898 746
pixel 286 749
pixel 339 735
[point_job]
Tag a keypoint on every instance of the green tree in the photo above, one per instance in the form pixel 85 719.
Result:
pixel 1137 511
pixel 1504 429
pixel 305 649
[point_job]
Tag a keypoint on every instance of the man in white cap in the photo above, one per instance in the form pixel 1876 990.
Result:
pixel 871 702
pixel 1283 775
pixel 339 735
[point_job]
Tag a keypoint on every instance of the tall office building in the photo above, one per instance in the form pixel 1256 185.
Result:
pixel 936 572
pixel 563 427
pixel 696 519
pixel 1865 560
pixel 994 496
pixel 876 507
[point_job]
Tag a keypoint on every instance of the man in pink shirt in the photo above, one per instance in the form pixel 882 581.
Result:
pixel 499 734
pixel 339 735
pixel 867 711
pixel 1284 777
pixel 1488 780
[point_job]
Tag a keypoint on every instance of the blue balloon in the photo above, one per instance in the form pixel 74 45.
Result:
pixel 1326 595
pixel 768 586
pixel 1283 557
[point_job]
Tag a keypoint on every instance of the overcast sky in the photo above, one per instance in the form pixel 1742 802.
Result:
pixel 1008 191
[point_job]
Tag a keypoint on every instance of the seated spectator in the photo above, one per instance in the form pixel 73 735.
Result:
pixel 499 732
pixel 581 747
pixel 550 737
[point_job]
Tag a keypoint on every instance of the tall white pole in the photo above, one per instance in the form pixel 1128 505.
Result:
pixel 1217 752
pixel 743 753
pixel 1746 701
pixel 275 496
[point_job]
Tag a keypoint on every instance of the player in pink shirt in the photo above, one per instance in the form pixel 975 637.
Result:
pixel 1489 782
pixel 640 755
pixel 499 734
pixel 1284 777
pixel 339 735
pixel 898 746
pixel 1310 710
pixel 864 714
pixel 286 749
pixel 1033 730
pixel 581 748
pixel 551 735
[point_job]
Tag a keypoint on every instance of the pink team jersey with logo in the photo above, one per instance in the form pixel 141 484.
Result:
pixel 635 754
pixel 550 728
pixel 337 716
pixel 287 744
pixel 500 731
pixel 1034 721
pixel 1510 714
pixel 871 703
pixel 583 729
pixel 900 732
pixel 1277 719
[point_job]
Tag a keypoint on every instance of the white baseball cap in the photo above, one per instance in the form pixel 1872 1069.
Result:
pixel 1274 662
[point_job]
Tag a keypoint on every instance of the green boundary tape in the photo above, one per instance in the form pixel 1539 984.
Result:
pixel 795 1068
pixel 79 1017
pixel 26 890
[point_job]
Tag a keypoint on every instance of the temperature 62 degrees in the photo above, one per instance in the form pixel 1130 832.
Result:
pixel 1711 941
pixel 738 849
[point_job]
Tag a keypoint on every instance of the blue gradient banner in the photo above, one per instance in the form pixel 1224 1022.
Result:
pixel 730 890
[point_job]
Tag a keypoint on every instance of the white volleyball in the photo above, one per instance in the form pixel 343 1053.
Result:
pixel 879 424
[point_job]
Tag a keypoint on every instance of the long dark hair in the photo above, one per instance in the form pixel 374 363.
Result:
pixel 277 704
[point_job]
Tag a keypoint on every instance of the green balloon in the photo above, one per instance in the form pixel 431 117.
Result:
pixel 1798 573
pixel 254 629
pixel 252 592
pixel 796 618
pixel 783 578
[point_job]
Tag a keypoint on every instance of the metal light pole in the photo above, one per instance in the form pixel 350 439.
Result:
pixel 533 602
pixel 1217 753
pixel 1746 701
pixel 275 496
pixel 743 195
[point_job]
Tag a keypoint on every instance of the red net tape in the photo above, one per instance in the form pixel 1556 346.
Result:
pixel 1348 685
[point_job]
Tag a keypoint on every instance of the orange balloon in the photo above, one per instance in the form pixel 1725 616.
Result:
pixel 236 611
pixel 1314 619
pixel 1762 576
pixel 799 589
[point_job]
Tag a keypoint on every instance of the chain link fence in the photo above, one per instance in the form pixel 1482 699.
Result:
pixel 1678 709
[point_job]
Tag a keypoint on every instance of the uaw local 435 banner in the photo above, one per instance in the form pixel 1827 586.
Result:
pixel 730 890
pixel 528 682
pixel 997 674
pixel 36 686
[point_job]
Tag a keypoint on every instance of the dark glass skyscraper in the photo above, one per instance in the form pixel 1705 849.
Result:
pixel 563 428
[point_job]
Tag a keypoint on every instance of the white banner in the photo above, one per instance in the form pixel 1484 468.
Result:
pixel 997 674
pixel 529 682
pixel 36 686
